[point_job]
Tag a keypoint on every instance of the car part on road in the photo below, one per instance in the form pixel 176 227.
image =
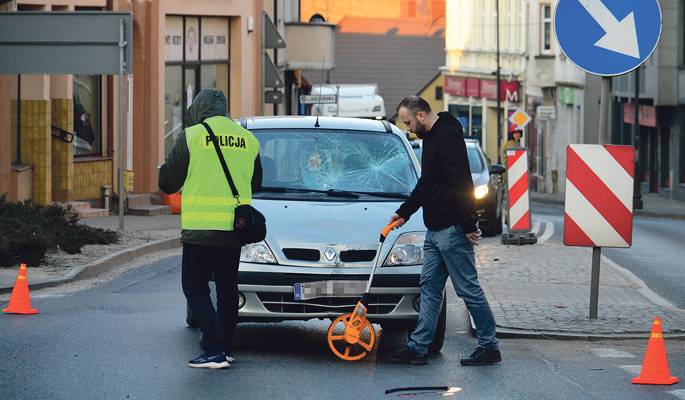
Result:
pixel 352 342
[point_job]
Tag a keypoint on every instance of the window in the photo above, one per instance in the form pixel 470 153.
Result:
pixel 15 120
pixel 197 57
pixel 438 93
pixel 87 115
pixel 545 29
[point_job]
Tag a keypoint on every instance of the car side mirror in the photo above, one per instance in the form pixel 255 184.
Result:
pixel 497 169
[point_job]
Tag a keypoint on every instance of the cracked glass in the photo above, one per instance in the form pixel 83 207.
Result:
pixel 372 162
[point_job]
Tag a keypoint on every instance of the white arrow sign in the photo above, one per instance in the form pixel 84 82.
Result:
pixel 620 37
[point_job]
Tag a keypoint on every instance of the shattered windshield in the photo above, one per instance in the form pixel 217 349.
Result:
pixel 369 162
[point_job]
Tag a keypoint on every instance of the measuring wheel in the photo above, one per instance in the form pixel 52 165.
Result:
pixel 341 343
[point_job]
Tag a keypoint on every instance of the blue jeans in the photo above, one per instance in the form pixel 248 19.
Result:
pixel 450 253
pixel 199 263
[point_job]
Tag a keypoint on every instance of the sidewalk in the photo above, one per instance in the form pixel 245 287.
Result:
pixel 536 291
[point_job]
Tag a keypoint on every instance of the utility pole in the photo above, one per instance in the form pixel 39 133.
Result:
pixel 499 117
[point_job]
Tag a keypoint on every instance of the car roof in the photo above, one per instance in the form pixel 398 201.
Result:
pixel 309 122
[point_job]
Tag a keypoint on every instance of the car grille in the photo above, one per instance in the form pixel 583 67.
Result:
pixel 285 303
pixel 357 255
pixel 302 254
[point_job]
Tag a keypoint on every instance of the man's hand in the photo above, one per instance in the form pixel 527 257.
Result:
pixel 396 217
pixel 474 237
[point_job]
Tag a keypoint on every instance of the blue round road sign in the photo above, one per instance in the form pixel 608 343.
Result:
pixel 607 37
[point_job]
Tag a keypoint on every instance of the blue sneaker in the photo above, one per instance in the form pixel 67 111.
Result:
pixel 206 360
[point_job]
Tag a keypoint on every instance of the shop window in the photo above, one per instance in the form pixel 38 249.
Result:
pixel 196 57
pixel 87 115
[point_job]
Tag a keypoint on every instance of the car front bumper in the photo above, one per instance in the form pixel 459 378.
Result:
pixel 270 294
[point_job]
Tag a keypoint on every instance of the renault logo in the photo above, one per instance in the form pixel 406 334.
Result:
pixel 329 253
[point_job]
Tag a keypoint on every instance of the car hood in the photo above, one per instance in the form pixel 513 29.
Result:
pixel 331 223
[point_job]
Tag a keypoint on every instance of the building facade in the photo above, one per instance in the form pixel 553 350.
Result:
pixel 59 134
pixel 472 64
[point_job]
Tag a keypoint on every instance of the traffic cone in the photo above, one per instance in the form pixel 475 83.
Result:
pixel 20 303
pixel 655 366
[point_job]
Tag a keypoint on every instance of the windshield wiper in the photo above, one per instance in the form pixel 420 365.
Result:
pixel 330 192
pixel 388 195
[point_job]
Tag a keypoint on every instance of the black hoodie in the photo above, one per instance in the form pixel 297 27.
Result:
pixel 445 189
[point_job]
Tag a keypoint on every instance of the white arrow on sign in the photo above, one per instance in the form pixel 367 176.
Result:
pixel 620 37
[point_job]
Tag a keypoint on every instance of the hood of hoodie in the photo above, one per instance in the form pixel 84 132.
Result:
pixel 445 118
pixel 208 103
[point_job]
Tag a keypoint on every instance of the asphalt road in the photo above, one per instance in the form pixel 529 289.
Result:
pixel 127 339
pixel 656 256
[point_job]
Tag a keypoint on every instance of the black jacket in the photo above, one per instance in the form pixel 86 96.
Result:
pixel 445 189
pixel 172 174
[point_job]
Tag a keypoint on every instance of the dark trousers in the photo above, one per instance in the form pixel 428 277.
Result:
pixel 199 264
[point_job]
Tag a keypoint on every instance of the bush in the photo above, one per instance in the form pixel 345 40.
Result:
pixel 28 231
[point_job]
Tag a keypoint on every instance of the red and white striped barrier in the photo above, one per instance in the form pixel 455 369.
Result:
pixel 599 195
pixel 517 185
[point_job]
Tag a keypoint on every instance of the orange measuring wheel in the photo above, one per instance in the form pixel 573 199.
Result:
pixel 340 343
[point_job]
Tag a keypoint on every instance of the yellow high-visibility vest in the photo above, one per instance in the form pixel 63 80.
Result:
pixel 207 201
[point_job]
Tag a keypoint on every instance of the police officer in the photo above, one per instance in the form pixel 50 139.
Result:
pixel 210 247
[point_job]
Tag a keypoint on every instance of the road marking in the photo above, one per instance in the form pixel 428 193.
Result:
pixel 548 232
pixel 633 369
pixel 679 393
pixel 612 353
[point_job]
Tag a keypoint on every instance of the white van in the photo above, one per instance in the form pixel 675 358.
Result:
pixel 355 100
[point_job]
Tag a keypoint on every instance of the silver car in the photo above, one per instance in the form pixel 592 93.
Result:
pixel 329 187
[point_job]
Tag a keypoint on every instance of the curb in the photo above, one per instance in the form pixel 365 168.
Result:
pixel 104 264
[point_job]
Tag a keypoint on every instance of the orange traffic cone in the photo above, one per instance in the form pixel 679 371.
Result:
pixel 655 367
pixel 20 303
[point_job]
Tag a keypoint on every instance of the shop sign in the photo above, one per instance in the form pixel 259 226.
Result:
pixel 544 113
pixel 173 39
pixel 566 95
pixel 646 115
pixel 455 86
pixel 214 45
pixel 471 87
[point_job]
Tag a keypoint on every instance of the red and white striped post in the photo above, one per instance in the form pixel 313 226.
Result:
pixel 518 198
pixel 599 202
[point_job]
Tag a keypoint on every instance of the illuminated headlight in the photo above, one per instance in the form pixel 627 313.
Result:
pixel 257 253
pixel 481 191
pixel 408 250
pixel 331 109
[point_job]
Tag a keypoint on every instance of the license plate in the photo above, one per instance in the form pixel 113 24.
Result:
pixel 311 290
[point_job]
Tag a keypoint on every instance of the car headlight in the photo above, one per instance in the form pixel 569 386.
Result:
pixel 331 109
pixel 257 253
pixel 481 191
pixel 407 250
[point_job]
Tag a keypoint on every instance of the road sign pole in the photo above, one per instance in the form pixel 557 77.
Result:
pixel 604 102
pixel 594 282
pixel 122 134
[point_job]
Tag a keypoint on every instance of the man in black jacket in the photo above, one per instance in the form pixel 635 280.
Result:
pixel 445 191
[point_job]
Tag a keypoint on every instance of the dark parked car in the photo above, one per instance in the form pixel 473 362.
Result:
pixel 488 183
